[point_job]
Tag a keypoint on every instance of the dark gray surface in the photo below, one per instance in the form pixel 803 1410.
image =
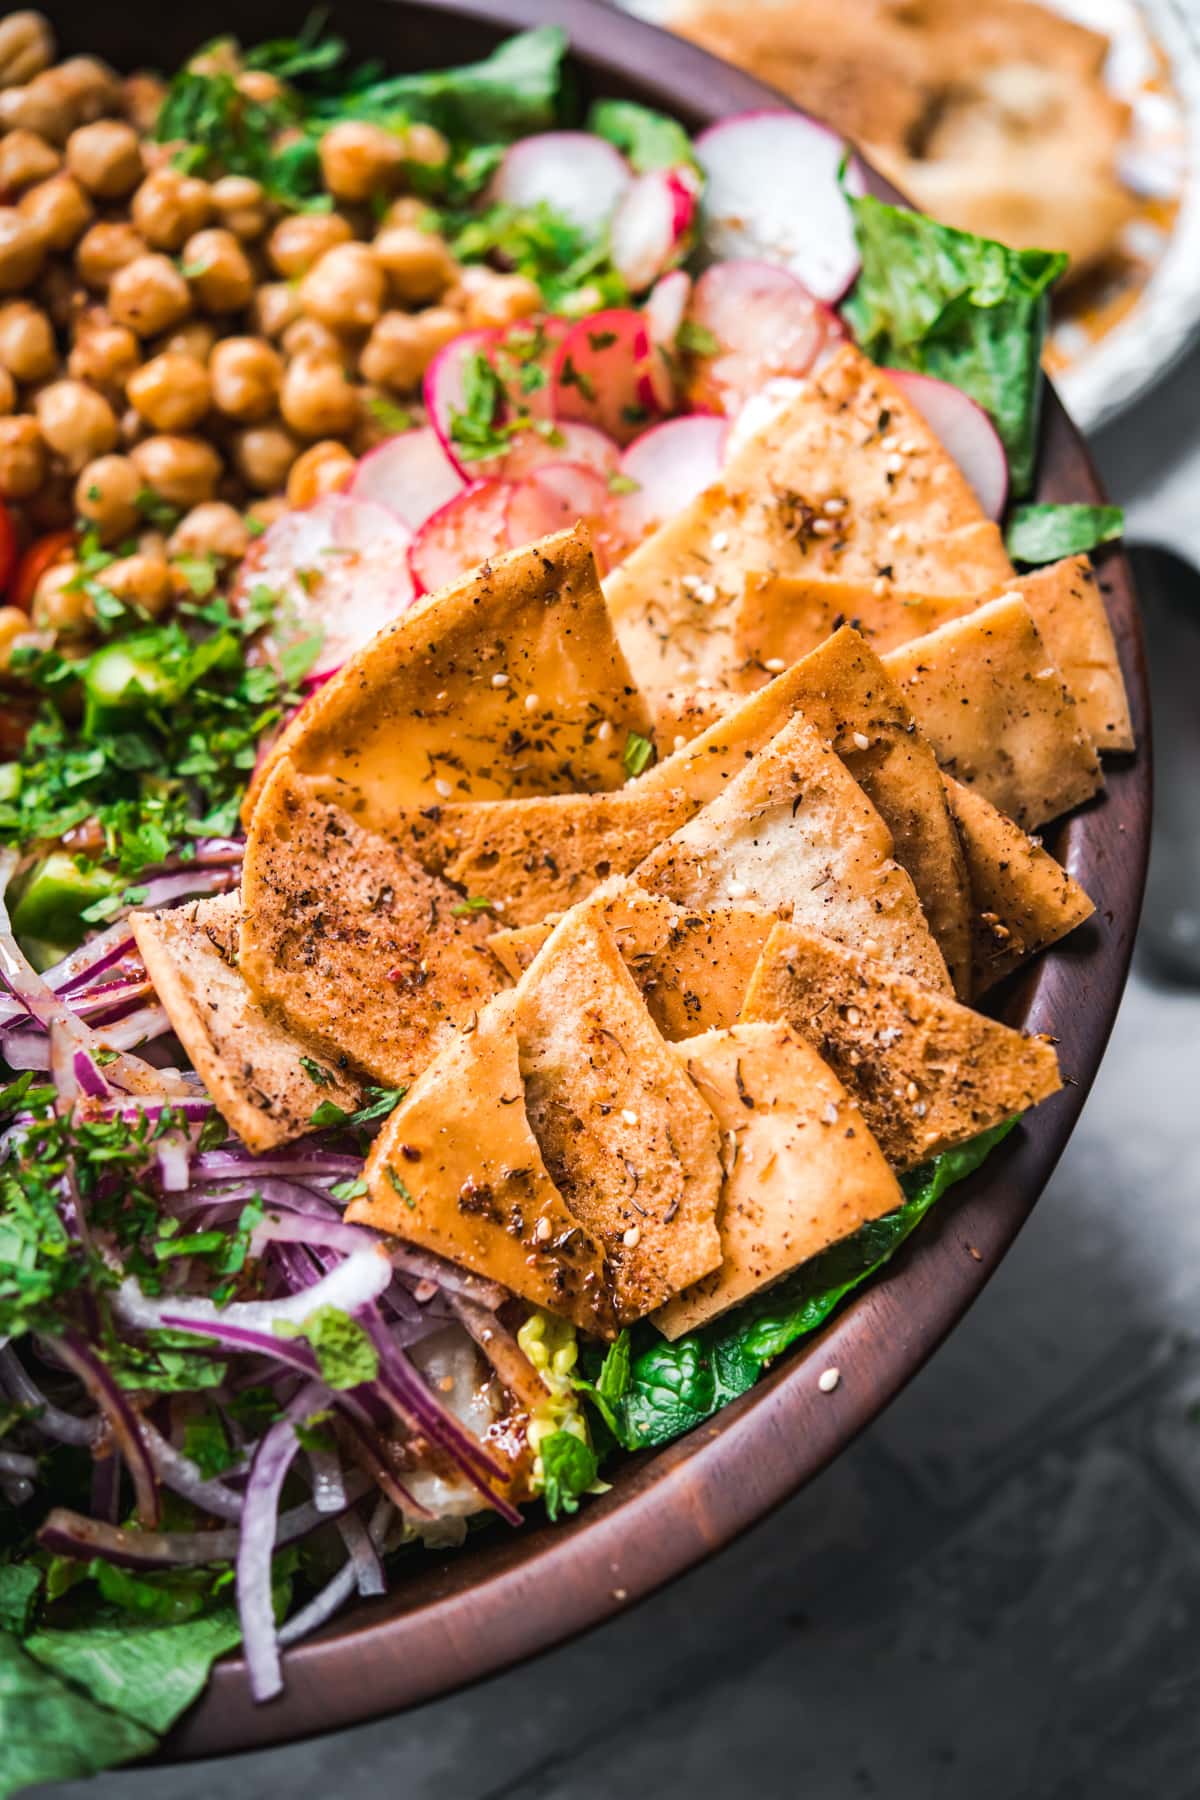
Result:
pixel 996 1593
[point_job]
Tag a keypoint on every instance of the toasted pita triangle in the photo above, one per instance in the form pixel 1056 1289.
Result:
pixel 692 967
pixel 1068 608
pixel 457 1170
pixel 509 682
pixel 794 830
pixel 802 1170
pixel 251 1065
pixel 350 941
pixel 986 693
pixel 1022 900
pixel 927 1072
pixel 622 1131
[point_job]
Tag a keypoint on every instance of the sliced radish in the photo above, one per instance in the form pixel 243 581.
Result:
pixel 666 306
pixel 557 496
pixel 523 356
pixel 767 324
pixel 576 175
pixel 465 532
pixel 651 228
pixel 603 374
pixel 772 191
pixel 671 465
pixel 571 442
pixel 410 474
pixel 965 431
pixel 445 395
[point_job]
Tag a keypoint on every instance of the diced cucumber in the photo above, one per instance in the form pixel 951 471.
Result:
pixel 119 684
pixel 53 898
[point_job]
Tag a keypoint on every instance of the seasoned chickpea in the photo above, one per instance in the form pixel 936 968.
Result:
pixel 8 392
pixel 263 454
pixel 214 529
pixel 241 205
pixel 195 338
pixel 105 249
pixel 149 295
pixel 346 290
pixel 409 209
pixel 59 211
pixel 299 242
pixel 76 421
pixel 32 108
pixel 105 355
pixel 316 399
pixel 26 47
pixel 59 601
pixel 184 470
pixel 403 345
pixel 106 496
pixel 22 457
pixel 25 158
pixel 143 580
pixel 246 376
pixel 170 207
pixel 499 300
pixel 308 337
pixel 142 96
pixel 134 429
pixel 85 86
pixel 424 144
pixel 14 625
pixel 276 306
pixel 21 251
pixel 217 270
pixel 262 513
pixel 172 391
pixel 359 160
pixel 324 468
pixel 419 265
pixel 259 86
pixel 105 158
pixel 27 347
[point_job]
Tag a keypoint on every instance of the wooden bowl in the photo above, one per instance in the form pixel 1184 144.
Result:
pixel 455 1617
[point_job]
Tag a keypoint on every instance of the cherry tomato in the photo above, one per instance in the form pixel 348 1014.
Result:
pixel 40 556
pixel 8 546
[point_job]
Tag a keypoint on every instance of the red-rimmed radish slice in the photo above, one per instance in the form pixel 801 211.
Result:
pixel 410 474
pixel 671 465
pixel 465 532
pixel 965 431
pixel 666 306
pixel 530 345
pixel 576 175
pixel 445 395
pixel 772 191
pixel 564 494
pixel 767 324
pixel 652 227
pixel 603 374
pixel 572 442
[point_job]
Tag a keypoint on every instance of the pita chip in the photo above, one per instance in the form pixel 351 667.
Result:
pixel 352 942
pixel 266 1082
pixel 457 1170
pixel 1022 901
pixel 988 696
pixel 622 1131
pixel 1068 609
pixel 508 682
pixel 794 831
pixel 801 1169
pixel 926 1071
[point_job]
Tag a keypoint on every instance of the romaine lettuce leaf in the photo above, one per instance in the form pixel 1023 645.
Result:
pixel 146 1674
pixel 1045 534
pixel 52 1731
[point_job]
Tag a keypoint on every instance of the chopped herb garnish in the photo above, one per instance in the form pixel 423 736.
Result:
pixel 639 754
pixel 315 1072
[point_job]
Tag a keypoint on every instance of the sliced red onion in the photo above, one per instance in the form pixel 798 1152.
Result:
pixel 332 1597
pixel 29 1049
pixel 305 1166
pixel 173 1154
pixel 370 1449
pixel 12 1463
pixel 304 1228
pixel 502 1350
pixel 122 1420
pixel 425 1265
pixel 191 883
pixel 57 1053
pixel 355 1282
pixel 188 1105
pixel 272 1460
pixel 99 954
pixel 180 1474
pixel 363 1555
pixel 45 1417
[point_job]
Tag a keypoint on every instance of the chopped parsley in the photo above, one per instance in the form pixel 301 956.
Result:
pixel 639 754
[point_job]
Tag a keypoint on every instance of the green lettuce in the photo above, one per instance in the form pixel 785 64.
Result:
pixel 51 1730
pixel 964 309
pixel 1045 534
pixel 648 139
pixel 511 93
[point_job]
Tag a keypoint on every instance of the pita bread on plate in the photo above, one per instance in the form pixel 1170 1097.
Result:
pixel 801 1169
pixel 253 1067
pixel 926 1071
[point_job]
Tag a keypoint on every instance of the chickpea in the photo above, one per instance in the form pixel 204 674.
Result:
pixel 246 377
pixel 25 158
pixel 105 158
pixel 265 512
pixel 142 96
pixel 22 457
pixel 307 337
pixel 184 470
pixel 105 355
pixel 263 454
pixel 214 529
pixel 216 268
pixel 495 301
pixel 346 290
pixel 403 345
pixel 220 57
pixel 26 47
pixel 259 86
pixel 106 495
pixel 27 347
pixel 425 145
pixel 172 391
pixel 85 86
pixel 316 399
pixel 31 108
pixel 8 392
pixel 76 421
pixel 409 209
pixel 241 205
pixel 21 251
pixel 59 211
pixel 105 249
pixel 276 306
pixel 169 207
pixel 60 296
pixel 300 241
pixel 323 468
pixel 195 338
pixel 359 160
pixel 419 265
pixel 134 429
pixel 149 295
pixel 143 580
pixel 58 605
pixel 14 625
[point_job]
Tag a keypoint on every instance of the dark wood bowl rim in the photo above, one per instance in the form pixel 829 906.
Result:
pixel 455 1618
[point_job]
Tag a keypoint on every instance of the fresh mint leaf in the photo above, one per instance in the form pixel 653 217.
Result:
pixel 648 139
pixel 569 1470
pixel 1045 534
pixel 345 1354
